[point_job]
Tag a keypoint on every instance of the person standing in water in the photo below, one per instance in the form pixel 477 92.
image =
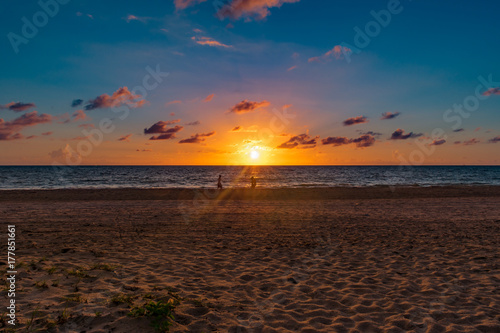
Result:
pixel 219 183
pixel 254 182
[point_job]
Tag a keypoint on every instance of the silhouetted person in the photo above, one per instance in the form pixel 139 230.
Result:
pixel 254 182
pixel 219 183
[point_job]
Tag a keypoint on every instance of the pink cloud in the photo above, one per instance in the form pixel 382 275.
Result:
pixel 9 130
pixel 125 138
pixel 257 9
pixel 209 98
pixel 492 91
pixel 79 115
pixel 183 4
pixel 209 41
pixel 120 97
pixel 337 52
pixel 248 106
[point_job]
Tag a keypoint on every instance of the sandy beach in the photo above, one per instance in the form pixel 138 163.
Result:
pixel 290 260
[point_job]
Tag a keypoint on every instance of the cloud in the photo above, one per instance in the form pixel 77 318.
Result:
pixel 183 4
pixel 197 138
pixel 336 141
pixel 492 91
pixel 17 106
pixel 9 130
pixel 364 141
pixel 459 130
pixel 241 129
pixel 47 133
pixel 291 68
pixel 144 150
pixel 472 141
pixel 209 41
pixel 194 123
pixel 337 52
pixel 257 9
pixel 370 133
pixel 65 153
pixel 248 106
pixel 437 142
pixel 120 97
pixel 125 138
pixel 86 126
pixel 209 98
pixel 142 19
pixel 495 139
pixel 389 115
pixel 299 140
pixel 79 115
pixel 162 128
pixel 399 135
pixel 173 102
pixel 76 102
pixel 355 120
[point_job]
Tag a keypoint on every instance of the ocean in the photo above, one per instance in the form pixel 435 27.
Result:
pixel 48 177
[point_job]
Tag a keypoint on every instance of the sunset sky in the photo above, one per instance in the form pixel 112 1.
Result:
pixel 250 82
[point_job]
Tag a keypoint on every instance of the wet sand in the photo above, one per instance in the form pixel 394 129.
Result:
pixel 297 260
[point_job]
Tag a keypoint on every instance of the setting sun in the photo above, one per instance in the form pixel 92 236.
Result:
pixel 254 154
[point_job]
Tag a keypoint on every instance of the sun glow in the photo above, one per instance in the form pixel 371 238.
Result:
pixel 254 154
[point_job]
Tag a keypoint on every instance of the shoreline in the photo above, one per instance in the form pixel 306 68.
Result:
pixel 327 193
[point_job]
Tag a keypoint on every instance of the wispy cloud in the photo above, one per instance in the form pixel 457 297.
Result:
pixel 241 129
pixel 399 134
pixel 437 142
pixel 197 138
pixel 471 142
pixel 76 102
pixel 299 140
pixel 142 19
pixel 9 130
pixel 495 139
pixel 125 138
pixel 120 97
pixel 291 68
pixel 459 130
pixel 355 121
pixel 209 42
pixel 209 98
pixel 389 115
pixel 193 123
pixel 248 106
pixel 337 52
pixel 492 91
pixel 183 4
pixel 17 106
pixel 79 115
pixel 256 9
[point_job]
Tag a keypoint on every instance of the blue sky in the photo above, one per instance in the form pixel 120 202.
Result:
pixel 426 59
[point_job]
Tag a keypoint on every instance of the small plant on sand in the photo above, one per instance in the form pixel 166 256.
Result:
pixel 161 314
pixel 64 316
pixel 41 284
pixel 77 298
pixel 122 299
pixel 103 267
pixel 98 314
pixel 78 273
pixel 51 270
pixel 29 323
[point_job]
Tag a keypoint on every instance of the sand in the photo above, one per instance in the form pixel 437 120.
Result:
pixel 329 260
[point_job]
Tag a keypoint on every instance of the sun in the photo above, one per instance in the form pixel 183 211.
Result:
pixel 254 154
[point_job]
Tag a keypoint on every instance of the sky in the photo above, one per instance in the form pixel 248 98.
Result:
pixel 249 82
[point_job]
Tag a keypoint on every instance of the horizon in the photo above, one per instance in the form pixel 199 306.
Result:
pixel 269 83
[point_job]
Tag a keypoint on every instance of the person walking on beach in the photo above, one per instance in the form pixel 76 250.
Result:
pixel 254 182
pixel 219 183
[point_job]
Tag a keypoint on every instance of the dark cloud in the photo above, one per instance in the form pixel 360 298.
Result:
pixel 355 120
pixel 459 130
pixel 120 97
pixel 437 142
pixel 197 138
pixel 399 135
pixel 193 123
pixel 299 140
pixel 17 106
pixel 370 133
pixel 9 130
pixel 162 127
pixel 236 129
pixel 495 139
pixel 248 106
pixel 389 115
pixel 76 102
pixel 336 141
pixel 363 141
